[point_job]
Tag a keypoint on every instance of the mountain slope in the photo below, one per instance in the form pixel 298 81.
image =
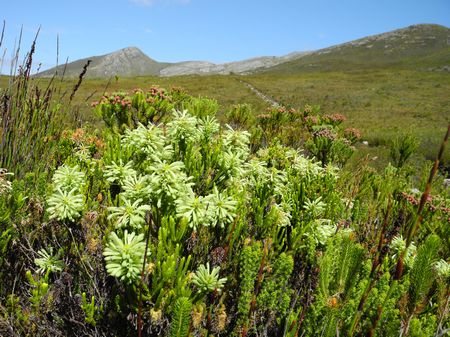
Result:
pixel 238 67
pixel 125 62
pixel 415 46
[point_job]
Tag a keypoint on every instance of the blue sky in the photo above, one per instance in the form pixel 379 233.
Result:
pixel 212 30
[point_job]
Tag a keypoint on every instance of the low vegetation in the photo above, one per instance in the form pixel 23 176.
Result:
pixel 184 216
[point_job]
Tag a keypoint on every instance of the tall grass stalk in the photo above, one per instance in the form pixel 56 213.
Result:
pixel 30 116
pixel 419 217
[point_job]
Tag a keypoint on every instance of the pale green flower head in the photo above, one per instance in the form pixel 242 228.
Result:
pixel 195 209
pixel 442 268
pixel 306 167
pixel 47 261
pixel 117 172
pixel 278 180
pixel 315 207
pixel 208 127
pixel 221 207
pixel 129 214
pixel 236 139
pixel 183 127
pixel 282 215
pixel 232 162
pixel 398 245
pixel 169 181
pixel 149 141
pixel 68 177
pixel 208 280
pixel 136 187
pixel 65 205
pixel 125 256
pixel 323 230
pixel 257 169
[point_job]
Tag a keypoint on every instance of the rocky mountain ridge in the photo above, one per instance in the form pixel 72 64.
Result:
pixel 415 42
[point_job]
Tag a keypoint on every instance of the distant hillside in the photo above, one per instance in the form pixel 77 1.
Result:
pixel 419 46
pixel 238 67
pixel 415 46
pixel 125 62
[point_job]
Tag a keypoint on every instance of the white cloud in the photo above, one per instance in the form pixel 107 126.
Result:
pixel 148 30
pixel 148 3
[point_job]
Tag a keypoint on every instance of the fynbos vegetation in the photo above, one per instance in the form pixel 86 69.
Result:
pixel 169 223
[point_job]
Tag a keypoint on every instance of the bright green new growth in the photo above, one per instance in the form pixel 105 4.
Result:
pixel 125 257
pixel 65 205
pixel 422 269
pixel 179 325
pixel 315 207
pixel 249 264
pixel 117 173
pixel 136 187
pixel 195 210
pixel 47 261
pixel 183 128
pixel 68 177
pixel 275 294
pixel 442 268
pixel 221 207
pixel 147 141
pixel 129 214
pixel 398 245
pixel 208 280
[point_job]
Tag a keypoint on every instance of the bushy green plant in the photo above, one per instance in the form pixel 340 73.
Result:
pixel 69 177
pixel 129 215
pixel 179 326
pixel 125 256
pixel 65 205
pixel 275 295
pixel 91 311
pixel 118 172
pixel 208 280
pixel 47 261
pixel 402 148
pixel 294 245
pixel 240 115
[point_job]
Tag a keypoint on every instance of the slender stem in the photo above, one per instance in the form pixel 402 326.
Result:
pixel 372 276
pixel 413 229
pixel 139 320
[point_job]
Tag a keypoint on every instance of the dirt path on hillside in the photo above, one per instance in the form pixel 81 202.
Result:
pixel 261 95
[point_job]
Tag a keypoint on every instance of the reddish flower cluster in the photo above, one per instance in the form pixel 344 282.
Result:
pixel 157 92
pixel 410 199
pixel 431 207
pixel 352 133
pixel 311 120
pixel 79 137
pixel 334 118
pixel 325 133
pixel 117 99
pixel 178 90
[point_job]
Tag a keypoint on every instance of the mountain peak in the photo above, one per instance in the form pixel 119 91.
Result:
pixel 420 44
pixel 129 50
pixel 128 61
